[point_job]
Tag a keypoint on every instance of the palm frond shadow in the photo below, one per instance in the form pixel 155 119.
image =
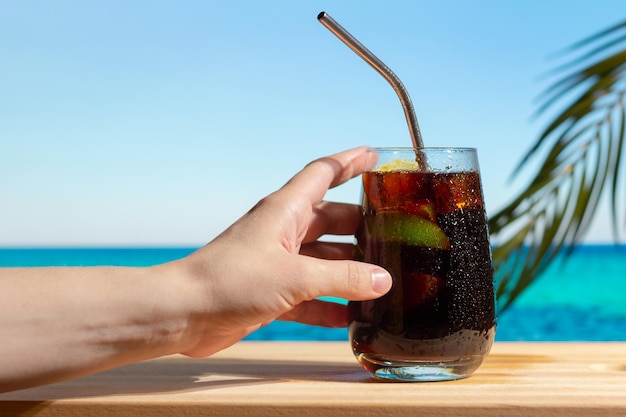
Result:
pixel 582 149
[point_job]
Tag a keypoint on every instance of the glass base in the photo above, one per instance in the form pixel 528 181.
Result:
pixel 420 371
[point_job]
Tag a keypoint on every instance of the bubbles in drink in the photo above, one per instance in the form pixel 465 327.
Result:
pixel 428 229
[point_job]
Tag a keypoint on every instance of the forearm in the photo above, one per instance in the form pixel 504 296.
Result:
pixel 60 323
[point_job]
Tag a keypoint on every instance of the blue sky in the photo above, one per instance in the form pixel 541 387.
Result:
pixel 161 122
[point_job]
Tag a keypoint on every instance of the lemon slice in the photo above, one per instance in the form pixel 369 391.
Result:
pixel 398 165
pixel 408 229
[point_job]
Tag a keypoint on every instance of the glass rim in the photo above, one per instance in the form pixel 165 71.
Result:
pixel 427 148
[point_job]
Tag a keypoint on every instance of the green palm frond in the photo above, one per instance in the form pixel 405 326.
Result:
pixel 582 150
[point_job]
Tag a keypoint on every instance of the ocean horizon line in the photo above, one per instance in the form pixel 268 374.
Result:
pixel 98 247
pixel 198 246
pixel 581 299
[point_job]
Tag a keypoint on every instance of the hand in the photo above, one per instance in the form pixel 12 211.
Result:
pixel 65 322
pixel 270 265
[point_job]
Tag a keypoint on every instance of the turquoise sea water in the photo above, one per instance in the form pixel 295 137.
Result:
pixel 581 299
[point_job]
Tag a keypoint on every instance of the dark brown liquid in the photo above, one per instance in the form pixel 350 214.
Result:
pixel 442 301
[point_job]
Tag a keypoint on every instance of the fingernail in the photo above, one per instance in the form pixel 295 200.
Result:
pixel 381 281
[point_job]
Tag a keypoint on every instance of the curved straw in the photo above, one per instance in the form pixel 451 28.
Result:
pixel 382 69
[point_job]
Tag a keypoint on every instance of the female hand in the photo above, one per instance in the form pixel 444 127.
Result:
pixel 65 322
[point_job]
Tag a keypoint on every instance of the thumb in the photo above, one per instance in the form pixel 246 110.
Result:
pixel 350 280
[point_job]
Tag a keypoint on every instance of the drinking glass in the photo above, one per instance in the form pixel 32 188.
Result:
pixel 424 221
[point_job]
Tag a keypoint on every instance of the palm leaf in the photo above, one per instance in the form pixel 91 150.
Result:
pixel 582 148
pixel 617 147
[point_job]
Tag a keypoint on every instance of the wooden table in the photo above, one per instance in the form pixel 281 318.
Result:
pixel 319 379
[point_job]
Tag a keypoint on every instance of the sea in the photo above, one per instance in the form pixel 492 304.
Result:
pixel 579 298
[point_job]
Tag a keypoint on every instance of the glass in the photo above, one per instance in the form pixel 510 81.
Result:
pixel 424 221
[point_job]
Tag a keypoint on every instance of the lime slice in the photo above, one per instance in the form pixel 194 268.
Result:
pixel 398 165
pixel 412 230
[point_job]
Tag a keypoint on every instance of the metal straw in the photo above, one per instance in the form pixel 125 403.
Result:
pixel 382 69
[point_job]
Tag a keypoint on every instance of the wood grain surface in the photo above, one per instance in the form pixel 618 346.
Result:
pixel 319 379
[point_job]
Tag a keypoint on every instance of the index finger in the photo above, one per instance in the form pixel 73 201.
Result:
pixel 330 171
